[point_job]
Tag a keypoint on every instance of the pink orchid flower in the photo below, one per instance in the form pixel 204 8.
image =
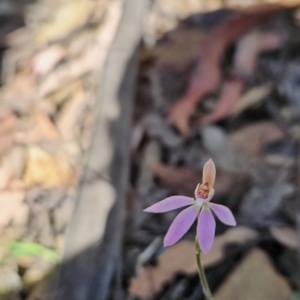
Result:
pixel 199 207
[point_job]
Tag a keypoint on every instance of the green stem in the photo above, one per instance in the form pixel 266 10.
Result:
pixel 202 277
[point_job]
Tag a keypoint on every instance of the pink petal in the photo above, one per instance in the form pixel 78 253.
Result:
pixel 170 203
pixel 181 225
pixel 206 229
pixel 223 213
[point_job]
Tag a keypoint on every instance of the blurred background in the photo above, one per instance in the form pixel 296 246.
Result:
pixel 108 106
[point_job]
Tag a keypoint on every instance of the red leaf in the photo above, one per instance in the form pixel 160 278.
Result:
pixel 207 74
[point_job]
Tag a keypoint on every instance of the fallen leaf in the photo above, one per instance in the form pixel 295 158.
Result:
pixel 19 91
pixel 165 15
pixel 10 201
pixel 286 236
pixel 18 37
pixel 44 61
pixel 47 170
pixel 251 98
pixel 20 249
pixel 12 167
pixel 91 60
pixel 6 143
pixel 238 235
pixel 8 126
pixel 254 278
pixel 156 127
pixel 266 196
pixel 39 269
pixel 63 94
pixel 250 46
pixel 231 94
pixel 68 17
pixel 207 74
pixel 8 122
pixel 24 81
pixel 174 51
pixel 259 134
pixel 83 40
pixel 180 258
pixel 222 150
pixel 136 135
pixel 71 114
pixel 42 129
pixel 10 280
pixel 254 3
pixel 203 81
pixel 21 216
pixel 64 75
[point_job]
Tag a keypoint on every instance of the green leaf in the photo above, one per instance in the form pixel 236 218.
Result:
pixel 21 248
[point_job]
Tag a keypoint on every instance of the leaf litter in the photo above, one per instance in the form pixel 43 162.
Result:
pixel 51 65
pixel 226 97
pixel 213 82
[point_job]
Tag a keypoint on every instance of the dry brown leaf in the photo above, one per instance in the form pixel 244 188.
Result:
pixel 22 85
pixel 92 59
pixel 70 16
pixel 47 170
pixel 251 98
pixel 44 61
pixel 10 201
pixel 254 278
pixel 180 258
pixel 207 74
pixel 177 177
pixel 43 129
pixel 286 236
pixel 65 74
pixel 184 8
pixel 71 114
pixel 11 168
pixel 6 143
pixel 17 59
pixel 19 92
pixel 231 94
pixel 83 40
pixel 39 269
pixel 8 122
pixel 166 14
pixel 250 46
pixel 258 133
pixel 18 37
pixel 174 52
pixel 237 235
pixel 64 93
pixel 254 3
